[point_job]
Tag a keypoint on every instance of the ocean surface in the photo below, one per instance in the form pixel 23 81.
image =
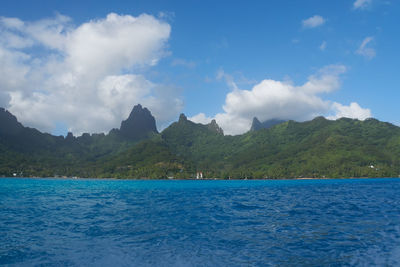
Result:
pixel 68 222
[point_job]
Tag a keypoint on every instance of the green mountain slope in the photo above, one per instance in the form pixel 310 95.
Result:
pixel 316 148
pixel 26 151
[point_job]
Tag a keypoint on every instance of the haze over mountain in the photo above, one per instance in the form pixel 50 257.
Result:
pixel 316 148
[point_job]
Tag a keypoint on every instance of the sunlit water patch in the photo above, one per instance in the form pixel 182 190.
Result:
pixel 199 223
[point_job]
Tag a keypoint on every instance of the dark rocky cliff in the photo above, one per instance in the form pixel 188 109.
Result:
pixel 9 123
pixel 139 124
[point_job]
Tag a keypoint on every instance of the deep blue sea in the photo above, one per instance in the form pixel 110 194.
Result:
pixel 69 222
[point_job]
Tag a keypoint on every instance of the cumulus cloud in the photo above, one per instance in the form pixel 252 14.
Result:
pixel 271 99
pixel 313 21
pixel 325 81
pixel 353 111
pixel 365 50
pixel 4 99
pixel 87 76
pixel 201 118
pixel 361 4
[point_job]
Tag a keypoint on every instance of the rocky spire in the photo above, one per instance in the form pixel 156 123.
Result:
pixel 256 125
pixel 213 126
pixel 139 124
pixel 182 118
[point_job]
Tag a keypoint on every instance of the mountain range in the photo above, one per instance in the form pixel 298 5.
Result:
pixel 273 149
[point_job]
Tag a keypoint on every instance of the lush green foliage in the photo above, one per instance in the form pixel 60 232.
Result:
pixel 317 148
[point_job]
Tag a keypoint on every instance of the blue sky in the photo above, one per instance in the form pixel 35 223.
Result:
pixel 228 60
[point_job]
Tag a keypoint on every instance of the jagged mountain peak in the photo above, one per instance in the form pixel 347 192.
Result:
pixel 213 126
pixel 138 110
pixel 9 123
pixel 257 125
pixel 182 117
pixel 139 123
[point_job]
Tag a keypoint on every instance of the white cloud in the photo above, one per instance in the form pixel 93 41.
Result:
pixel 13 70
pixel 272 99
pixel 4 99
pixel 221 75
pixel 116 42
pixel 322 47
pixel 353 111
pixel 325 81
pixel 12 23
pixel 365 50
pixel 200 118
pixel 116 92
pixel 87 76
pixel 313 21
pixel 361 4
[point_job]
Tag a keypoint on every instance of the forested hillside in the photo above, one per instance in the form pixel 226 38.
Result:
pixel 316 148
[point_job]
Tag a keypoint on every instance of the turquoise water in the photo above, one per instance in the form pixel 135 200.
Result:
pixel 199 223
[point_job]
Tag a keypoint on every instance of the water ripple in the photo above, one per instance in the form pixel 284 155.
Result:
pixel 199 223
